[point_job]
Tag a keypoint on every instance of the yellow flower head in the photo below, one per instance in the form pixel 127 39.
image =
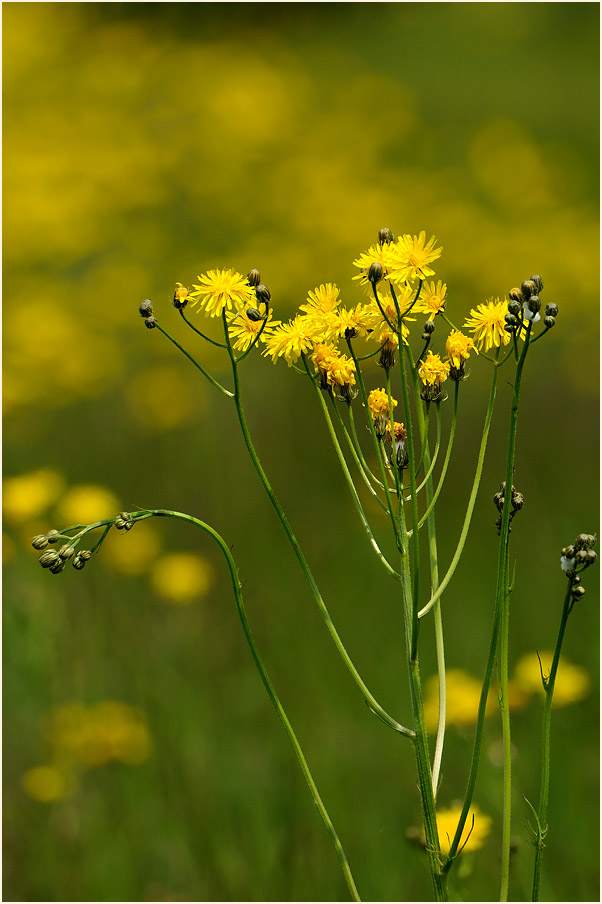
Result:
pixel 181 577
pixel 335 370
pixel 488 324
pixel 376 254
pixel 243 331
pixel 222 289
pixel 290 340
pixel 572 681
pixel 433 371
pixel 350 322
pixel 408 258
pixel 463 696
pixel 432 299
pixel 401 434
pixel 322 300
pixel 473 835
pixel 380 324
pixel 378 403
pixel 180 296
pixel 458 348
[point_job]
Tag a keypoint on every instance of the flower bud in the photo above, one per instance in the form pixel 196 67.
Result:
pixel 429 327
pixel 534 304
pixel 549 322
pixel 253 277
pixel 515 295
pixel 53 536
pixel 180 297
pixel 78 563
pixel 120 523
pixel 385 236
pixel 578 593
pixel 551 309
pixel 528 288
pixel 57 567
pixel 48 558
pixel 538 281
pixel 150 323
pixel 146 308
pixel 66 551
pixel 263 294
pixel 40 542
pixel 585 541
pixel 375 273
pixel 515 306
pixel 509 328
pixel 518 501
pixel 85 554
pixel 254 315
pixel 568 551
pixel 511 320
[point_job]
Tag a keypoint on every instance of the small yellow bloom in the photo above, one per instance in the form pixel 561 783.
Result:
pixel 46 784
pixel 220 290
pixel 433 372
pixel 378 403
pixel 572 681
pixel 244 331
pixel 349 322
pixel 458 348
pixel 29 495
pixel 95 735
pixel 290 340
pixel 322 300
pixel 180 296
pixel 447 823
pixel 181 577
pixel 374 255
pixel 463 693
pixel 133 553
pixel 488 324
pixel 408 258
pixel 432 299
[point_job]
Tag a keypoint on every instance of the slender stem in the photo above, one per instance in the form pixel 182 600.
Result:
pixel 205 373
pixel 236 586
pixel 198 332
pixel 452 434
pixel 360 455
pixel 430 467
pixel 414 498
pixel 471 502
pixel 506 736
pixel 542 814
pixel 348 477
pixel 370 699
pixel 500 590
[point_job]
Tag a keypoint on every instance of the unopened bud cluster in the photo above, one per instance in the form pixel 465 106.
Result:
pixel 575 559
pixel 517 501
pixel 124 521
pixel 55 560
pixel 525 305
pixel 146 312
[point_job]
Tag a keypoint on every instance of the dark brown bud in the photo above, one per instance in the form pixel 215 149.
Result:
pixel 511 320
pixel 146 308
pixel 150 323
pixel 538 281
pixel 551 309
pixel 549 322
pixel 49 558
pixel 585 541
pixel 528 288
pixel 518 501
pixel 375 273
pixel 78 563
pixel 254 315
pixel 40 542
pixel 53 536
pixel 385 236
pixel 515 307
pixel 429 327
pixel 517 296
pixel 534 304
pixel 578 593
pixel 57 566
pixel 263 294
pixel 66 551
pixel 253 277
pixel 568 552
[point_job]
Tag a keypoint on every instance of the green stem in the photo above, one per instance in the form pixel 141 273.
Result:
pixel 205 373
pixel 414 498
pixel 236 586
pixel 360 455
pixel 506 735
pixel 452 434
pixel 348 477
pixel 542 814
pixel 370 699
pixel 198 332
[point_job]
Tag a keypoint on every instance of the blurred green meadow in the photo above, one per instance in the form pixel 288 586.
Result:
pixel 144 144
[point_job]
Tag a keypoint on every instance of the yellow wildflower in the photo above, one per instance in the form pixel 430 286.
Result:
pixel 378 403
pixel 86 503
pixel 28 495
pixel 181 577
pixel 322 300
pixel 433 372
pixel 488 324
pixel 290 340
pixel 432 299
pixel 244 331
pixel 408 258
pixel 47 784
pixel 473 836
pixel 572 681
pixel 349 322
pixel 375 254
pixel 180 296
pixel 94 735
pixel 463 696
pixel 458 348
pixel 222 289
pixel 335 369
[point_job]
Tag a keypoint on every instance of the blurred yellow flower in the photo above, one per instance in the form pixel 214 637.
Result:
pixel 181 577
pixel 488 324
pixel 98 734
pixel 220 290
pixel 572 681
pixel 131 553
pixel 463 695
pixel 8 549
pixel 86 503
pixel 47 784
pixel 447 823
pixel 28 495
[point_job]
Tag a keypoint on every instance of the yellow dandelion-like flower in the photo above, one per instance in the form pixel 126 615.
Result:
pixel 350 322
pixel 378 403
pixel 386 314
pixel 47 784
pixel 180 296
pixel 374 255
pixel 572 681
pixel 243 331
pixel 335 369
pixel 221 290
pixel 473 835
pixel 181 577
pixel 432 299
pixel 29 495
pixel 290 340
pixel 487 323
pixel 322 300
pixel 408 258
pixel 463 696
pixel 458 348
pixel 87 502
pixel 433 372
